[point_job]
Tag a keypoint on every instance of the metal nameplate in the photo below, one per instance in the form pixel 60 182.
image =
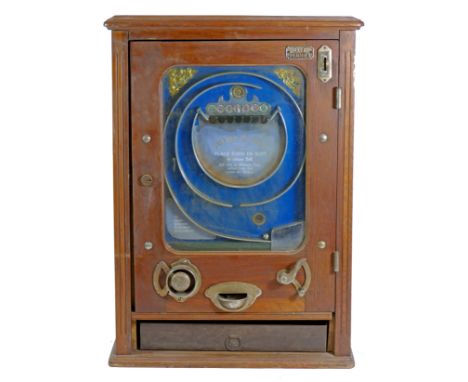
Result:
pixel 299 52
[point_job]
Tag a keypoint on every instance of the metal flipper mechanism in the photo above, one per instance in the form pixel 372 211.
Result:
pixel 286 277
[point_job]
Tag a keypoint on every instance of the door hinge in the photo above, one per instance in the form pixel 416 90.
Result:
pixel 338 94
pixel 336 261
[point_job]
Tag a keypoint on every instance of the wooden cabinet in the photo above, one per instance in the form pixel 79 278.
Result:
pixel 232 189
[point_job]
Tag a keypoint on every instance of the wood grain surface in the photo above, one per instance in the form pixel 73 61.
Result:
pixel 143 47
pixel 149 61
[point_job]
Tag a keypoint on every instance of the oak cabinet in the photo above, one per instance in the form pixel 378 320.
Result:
pixel 232 189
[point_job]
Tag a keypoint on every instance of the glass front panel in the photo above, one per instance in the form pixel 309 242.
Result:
pixel 234 154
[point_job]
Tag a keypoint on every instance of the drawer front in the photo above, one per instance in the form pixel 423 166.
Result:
pixel 300 337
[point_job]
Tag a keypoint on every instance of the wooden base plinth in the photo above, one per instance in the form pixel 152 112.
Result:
pixel 230 359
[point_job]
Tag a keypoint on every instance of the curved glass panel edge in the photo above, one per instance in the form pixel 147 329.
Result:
pixel 238 136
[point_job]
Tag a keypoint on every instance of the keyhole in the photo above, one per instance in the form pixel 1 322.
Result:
pixel 325 64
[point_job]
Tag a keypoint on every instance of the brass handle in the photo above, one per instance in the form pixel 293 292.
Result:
pixel 285 277
pixel 233 296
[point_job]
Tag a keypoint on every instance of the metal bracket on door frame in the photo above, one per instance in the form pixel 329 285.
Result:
pixel 337 99
pixel 336 261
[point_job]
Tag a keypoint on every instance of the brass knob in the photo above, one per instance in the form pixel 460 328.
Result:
pixel 180 281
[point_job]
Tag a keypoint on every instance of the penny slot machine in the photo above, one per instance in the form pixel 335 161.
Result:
pixel 232 170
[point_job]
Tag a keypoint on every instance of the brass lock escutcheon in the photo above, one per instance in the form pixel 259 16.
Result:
pixel 286 277
pixel 182 280
pixel 324 63
pixel 233 296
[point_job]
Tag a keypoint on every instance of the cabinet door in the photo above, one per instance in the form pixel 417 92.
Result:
pixel 229 170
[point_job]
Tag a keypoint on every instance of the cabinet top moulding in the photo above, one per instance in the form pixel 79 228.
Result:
pixel 232 27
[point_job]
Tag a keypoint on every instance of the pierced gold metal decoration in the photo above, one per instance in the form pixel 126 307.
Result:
pixel 178 78
pixel 291 78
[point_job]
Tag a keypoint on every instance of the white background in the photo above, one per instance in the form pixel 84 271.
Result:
pixel 410 212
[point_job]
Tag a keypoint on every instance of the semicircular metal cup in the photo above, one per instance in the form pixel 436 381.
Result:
pixel 236 152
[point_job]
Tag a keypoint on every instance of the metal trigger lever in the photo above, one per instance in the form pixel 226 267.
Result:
pixel 286 277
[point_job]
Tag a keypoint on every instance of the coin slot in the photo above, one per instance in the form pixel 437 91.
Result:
pixel 233 296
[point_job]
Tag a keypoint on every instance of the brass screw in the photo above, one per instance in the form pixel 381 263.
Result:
pixel 146 180
pixel 323 138
pixel 259 218
pixel 148 245
pixel 322 244
pixel 238 91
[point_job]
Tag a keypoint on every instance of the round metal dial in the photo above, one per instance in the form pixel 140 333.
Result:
pixel 180 281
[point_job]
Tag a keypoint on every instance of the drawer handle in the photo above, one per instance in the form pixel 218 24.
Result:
pixel 233 296
pixel 233 343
